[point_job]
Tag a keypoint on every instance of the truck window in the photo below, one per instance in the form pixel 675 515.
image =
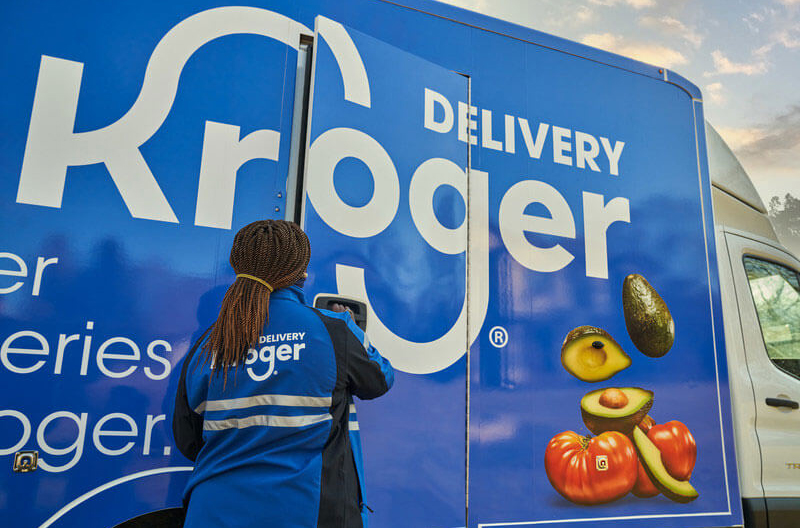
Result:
pixel 776 294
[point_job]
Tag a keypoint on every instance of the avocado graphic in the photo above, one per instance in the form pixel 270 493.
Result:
pixel 615 409
pixel 590 354
pixel 677 490
pixel 647 317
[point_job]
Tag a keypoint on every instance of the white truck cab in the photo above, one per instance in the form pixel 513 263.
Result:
pixel 760 284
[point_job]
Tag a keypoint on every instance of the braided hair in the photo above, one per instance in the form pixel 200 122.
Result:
pixel 275 251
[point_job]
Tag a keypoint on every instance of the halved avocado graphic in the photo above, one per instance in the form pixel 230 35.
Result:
pixel 590 354
pixel 615 409
pixel 647 317
pixel 677 490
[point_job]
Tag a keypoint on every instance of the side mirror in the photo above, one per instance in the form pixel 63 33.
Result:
pixel 359 309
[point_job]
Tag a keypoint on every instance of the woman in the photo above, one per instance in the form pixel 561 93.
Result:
pixel 262 409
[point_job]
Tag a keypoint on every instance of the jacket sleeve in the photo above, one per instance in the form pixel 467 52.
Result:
pixel 187 425
pixel 369 374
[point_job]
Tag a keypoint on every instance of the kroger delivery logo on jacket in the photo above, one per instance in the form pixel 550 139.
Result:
pixel 261 363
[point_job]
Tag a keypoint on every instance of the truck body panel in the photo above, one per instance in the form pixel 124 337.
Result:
pixel 494 186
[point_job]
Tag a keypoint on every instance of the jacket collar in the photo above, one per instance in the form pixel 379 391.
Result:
pixel 291 293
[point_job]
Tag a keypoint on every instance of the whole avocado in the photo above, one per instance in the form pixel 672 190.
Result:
pixel 647 317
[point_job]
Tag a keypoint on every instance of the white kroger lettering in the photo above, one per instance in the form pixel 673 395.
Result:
pixel 7 350
pixel 514 223
pixel 432 99
pixel 76 447
pixel 433 356
pixel 22 271
pixel 52 146
pixel 613 153
pixel 583 156
pixel 272 338
pixel 16 351
pixel 54 459
pixel 486 131
pixel 560 147
pixel 325 153
pixel 534 147
pixel 510 136
pixel 467 125
pixel 26 431
pixel 270 354
pixel 428 177
pixel 98 432
pixel 223 154
pixel 597 217
pixel 562 137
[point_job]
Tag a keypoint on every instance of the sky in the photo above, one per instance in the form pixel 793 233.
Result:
pixel 744 55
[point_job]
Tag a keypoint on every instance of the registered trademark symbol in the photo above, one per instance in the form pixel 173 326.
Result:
pixel 498 337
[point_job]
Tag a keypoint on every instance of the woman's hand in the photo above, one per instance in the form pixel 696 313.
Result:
pixel 339 308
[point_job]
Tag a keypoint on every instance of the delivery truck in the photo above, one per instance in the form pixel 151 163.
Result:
pixel 590 317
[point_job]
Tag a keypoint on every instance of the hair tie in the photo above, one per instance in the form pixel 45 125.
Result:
pixel 262 281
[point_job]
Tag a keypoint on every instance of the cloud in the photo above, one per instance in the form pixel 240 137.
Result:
pixel 643 51
pixel 790 2
pixel 740 138
pixel 724 66
pixel 754 21
pixel 673 26
pixel 788 38
pixel 584 14
pixel 769 152
pixel 714 93
pixel 636 4
pixel 774 144
pixel 780 134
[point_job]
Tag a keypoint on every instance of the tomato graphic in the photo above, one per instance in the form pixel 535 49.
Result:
pixel 678 453
pixel 589 470
pixel 644 487
pixel 677 446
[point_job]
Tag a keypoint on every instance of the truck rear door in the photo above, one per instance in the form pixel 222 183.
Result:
pixel 387 212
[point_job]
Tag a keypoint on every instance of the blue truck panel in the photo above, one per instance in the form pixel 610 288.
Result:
pixel 138 138
pixel 363 222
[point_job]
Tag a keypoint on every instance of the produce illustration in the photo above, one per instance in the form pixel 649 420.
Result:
pixel 630 452
pixel 647 317
pixel 590 354
pixel 615 409
pixel 654 463
pixel 589 470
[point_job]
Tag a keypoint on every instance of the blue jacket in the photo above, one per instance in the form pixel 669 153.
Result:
pixel 279 446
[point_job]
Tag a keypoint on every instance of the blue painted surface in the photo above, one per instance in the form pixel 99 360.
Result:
pixel 132 278
pixel 416 291
pixel 147 280
pixel 521 395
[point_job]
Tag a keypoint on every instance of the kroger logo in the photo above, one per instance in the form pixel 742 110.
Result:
pixel 261 363
pixel 52 147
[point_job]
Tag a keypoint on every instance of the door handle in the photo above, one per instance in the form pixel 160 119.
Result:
pixel 358 308
pixel 780 402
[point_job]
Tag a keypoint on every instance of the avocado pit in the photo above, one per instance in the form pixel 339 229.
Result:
pixel 613 398
pixel 615 409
